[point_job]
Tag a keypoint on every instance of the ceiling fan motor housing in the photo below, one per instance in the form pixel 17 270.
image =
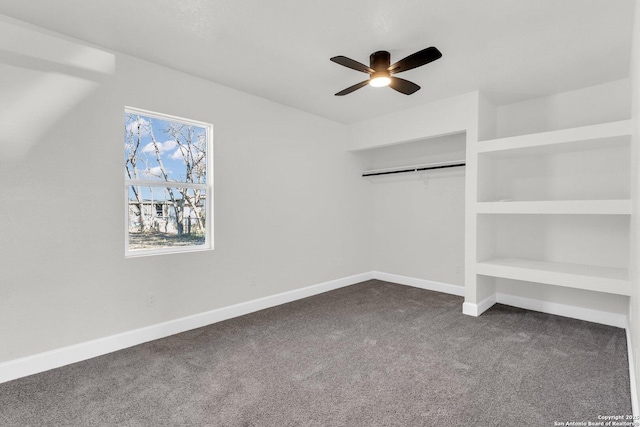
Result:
pixel 380 60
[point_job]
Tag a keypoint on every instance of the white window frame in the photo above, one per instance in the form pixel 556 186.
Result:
pixel 208 187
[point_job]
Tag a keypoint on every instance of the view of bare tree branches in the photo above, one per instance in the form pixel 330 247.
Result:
pixel 164 162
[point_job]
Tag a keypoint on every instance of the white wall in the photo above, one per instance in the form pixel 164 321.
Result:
pixel 447 116
pixel 603 103
pixel 634 305
pixel 418 217
pixel 290 206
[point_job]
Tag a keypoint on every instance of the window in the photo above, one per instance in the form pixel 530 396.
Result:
pixel 168 191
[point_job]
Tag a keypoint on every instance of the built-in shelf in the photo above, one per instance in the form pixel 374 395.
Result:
pixel 561 195
pixel 582 138
pixel 573 207
pixel 587 163
pixel 589 277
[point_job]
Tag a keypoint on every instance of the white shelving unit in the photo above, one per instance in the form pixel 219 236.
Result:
pixel 594 278
pixel 565 140
pixel 554 208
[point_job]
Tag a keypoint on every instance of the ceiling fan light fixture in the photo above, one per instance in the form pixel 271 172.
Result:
pixel 380 71
pixel 380 79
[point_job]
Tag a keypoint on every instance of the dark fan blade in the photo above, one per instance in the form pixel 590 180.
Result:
pixel 350 63
pixel 415 60
pixel 403 86
pixel 352 88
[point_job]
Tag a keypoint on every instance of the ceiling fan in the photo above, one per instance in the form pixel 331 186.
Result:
pixel 381 73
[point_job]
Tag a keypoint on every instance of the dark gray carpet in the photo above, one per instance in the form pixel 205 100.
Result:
pixel 372 354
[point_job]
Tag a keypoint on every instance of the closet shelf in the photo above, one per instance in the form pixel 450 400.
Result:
pixel 603 135
pixel 572 207
pixel 589 277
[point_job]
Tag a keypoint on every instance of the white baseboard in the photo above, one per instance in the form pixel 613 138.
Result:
pixel 595 316
pixel 475 310
pixel 420 283
pixel 470 309
pixel 41 362
pixel 632 376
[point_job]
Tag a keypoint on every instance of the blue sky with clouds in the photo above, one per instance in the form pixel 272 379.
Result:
pixel 172 154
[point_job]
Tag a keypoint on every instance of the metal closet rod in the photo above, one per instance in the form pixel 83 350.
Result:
pixel 415 169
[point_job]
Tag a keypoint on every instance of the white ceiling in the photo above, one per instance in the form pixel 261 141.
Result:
pixel 511 50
